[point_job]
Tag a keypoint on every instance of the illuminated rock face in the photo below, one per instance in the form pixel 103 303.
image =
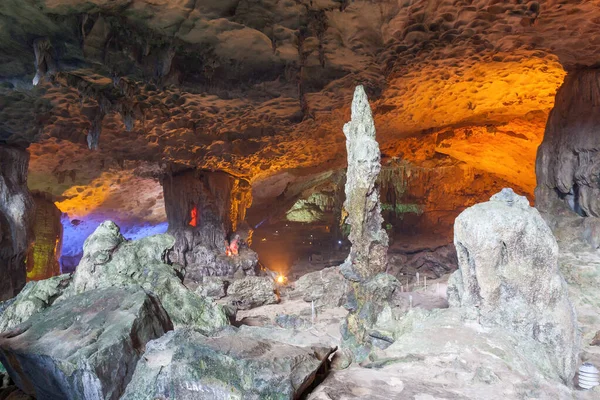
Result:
pixel 42 259
pixel 16 218
pixel 204 210
pixel 368 255
pixel 568 160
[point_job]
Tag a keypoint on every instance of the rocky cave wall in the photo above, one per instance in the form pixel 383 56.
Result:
pixel 44 254
pixel 568 160
pixel 204 210
pixel 17 210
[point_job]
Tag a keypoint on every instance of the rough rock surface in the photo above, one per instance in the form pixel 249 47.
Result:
pixel 508 276
pixel 252 291
pixel 184 364
pixel 568 164
pixel 327 287
pixel 110 260
pixel 204 210
pixel 213 286
pixel 16 219
pixel 84 348
pixel 368 255
pixel 35 297
pixel 43 256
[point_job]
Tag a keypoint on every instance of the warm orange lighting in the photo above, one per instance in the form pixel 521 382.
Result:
pixel 194 216
pixel 281 279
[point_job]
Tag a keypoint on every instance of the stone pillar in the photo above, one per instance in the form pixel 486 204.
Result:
pixel 204 210
pixel 568 160
pixel 16 219
pixel 43 256
pixel 509 278
pixel 368 255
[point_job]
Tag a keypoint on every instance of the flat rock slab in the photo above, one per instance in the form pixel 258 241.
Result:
pixel 83 348
pixel 185 364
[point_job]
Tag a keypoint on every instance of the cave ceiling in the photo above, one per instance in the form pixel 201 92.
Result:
pixel 128 90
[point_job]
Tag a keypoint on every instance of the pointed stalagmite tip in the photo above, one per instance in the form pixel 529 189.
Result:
pixel 360 102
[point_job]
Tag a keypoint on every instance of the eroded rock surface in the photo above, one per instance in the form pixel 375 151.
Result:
pixel 184 364
pixel 35 297
pixel 16 219
pixel 368 255
pixel 110 260
pixel 84 348
pixel 252 291
pixel 508 277
pixel 327 287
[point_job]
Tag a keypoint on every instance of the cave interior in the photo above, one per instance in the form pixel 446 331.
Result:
pixel 320 199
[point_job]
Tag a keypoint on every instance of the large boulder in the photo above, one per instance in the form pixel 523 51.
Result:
pixel 184 364
pixel 86 347
pixel 327 287
pixel 252 291
pixel 110 260
pixel 509 277
pixel 35 297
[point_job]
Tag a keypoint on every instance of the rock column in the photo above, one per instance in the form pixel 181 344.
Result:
pixel 368 255
pixel 17 212
pixel 42 260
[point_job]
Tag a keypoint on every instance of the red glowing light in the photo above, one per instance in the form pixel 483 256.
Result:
pixel 194 216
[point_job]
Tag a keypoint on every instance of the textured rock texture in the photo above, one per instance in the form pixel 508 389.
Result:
pixel 568 164
pixel 184 364
pixel 16 219
pixel 110 260
pixel 368 255
pixel 43 256
pixel 508 277
pixel 35 297
pixel 327 287
pixel 85 348
pixel 204 210
pixel 252 291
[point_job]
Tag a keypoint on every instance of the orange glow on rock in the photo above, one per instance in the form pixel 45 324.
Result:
pixel 194 216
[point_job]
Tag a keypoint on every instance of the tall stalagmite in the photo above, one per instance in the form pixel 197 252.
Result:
pixel 368 255
pixel 42 260
pixel 16 218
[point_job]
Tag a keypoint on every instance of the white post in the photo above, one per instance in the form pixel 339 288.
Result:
pixel 410 301
pixel 425 282
pixel 417 279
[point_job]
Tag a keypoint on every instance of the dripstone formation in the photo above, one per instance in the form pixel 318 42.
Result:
pixel 368 255
pixel 16 219
pixel 205 211
pixel 508 277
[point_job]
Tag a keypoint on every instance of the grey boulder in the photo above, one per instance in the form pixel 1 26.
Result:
pixel 111 260
pixel 251 292
pixel 86 348
pixel 184 365
pixel 327 288
pixel 509 277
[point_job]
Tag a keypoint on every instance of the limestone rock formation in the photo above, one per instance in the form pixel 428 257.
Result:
pixel 252 291
pixel 568 164
pixel 368 255
pixel 85 348
pixel 508 277
pixel 184 364
pixel 35 297
pixel 204 210
pixel 16 219
pixel 43 256
pixel 110 260
pixel 327 287
pixel 213 286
